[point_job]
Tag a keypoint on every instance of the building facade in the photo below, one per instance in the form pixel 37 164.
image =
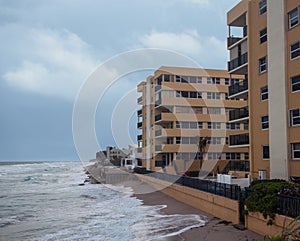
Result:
pixel 180 107
pixel 266 51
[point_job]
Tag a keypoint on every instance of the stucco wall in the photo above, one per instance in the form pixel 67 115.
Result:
pixel 256 223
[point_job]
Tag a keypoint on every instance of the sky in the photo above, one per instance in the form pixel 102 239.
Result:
pixel 49 48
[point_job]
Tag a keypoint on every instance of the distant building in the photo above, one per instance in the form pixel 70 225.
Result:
pixel 180 106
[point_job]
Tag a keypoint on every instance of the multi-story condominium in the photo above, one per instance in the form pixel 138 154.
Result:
pixel 180 108
pixel 267 52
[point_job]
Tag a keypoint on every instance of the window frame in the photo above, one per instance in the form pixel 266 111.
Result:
pixel 294 117
pixel 295 51
pixel 265 123
pixel 264 93
pixel 295 150
pixel 263 37
pixel 296 17
pixel 262 7
pixel 265 158
pixel 297 83
pixel 261 65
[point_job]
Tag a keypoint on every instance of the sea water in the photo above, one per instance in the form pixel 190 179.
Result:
pixel 43 201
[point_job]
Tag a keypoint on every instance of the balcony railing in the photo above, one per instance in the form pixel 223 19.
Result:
pixel 139 125
pixel 238 114
pixel 158 117
pixel 239 87
pixel 139 137
pixel 140 99
pixel 140 150
pixel 236 140
pixel 158 132
pixel 239 61
pixel 139 112
pixel 232 40
pixel 158 148
pixel 157 88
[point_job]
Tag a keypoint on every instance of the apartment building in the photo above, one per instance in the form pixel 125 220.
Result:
pixel 181 106
pixel 267 52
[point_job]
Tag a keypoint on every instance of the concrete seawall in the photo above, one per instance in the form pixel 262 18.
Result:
pixel 223 208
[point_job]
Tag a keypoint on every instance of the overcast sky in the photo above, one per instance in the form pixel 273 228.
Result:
pixel 48 49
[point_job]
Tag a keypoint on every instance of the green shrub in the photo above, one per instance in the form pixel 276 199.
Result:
pixel 263 197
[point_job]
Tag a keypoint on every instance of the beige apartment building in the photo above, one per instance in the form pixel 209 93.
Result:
pixel 267 52
pixel 182 105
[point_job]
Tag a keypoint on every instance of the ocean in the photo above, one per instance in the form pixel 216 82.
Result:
pixel 44 201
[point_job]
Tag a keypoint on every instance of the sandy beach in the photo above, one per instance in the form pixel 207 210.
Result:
pixel 215 229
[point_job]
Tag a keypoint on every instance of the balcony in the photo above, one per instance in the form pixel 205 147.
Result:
pixel 157 88
pixel 139 137
pixel 239 89
pixel 139 112
pixel 239 64
pixel 241 140
pixel 158 117
pixel 140 100
pixel 158 132
pixel 232 40
pixel 239 115
pixel 139 125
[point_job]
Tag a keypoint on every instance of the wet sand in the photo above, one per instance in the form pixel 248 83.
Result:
pixel 215 229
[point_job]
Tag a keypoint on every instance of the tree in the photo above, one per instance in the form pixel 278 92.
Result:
pixel 201 148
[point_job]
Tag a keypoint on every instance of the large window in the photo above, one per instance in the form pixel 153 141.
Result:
pixel 213 95
pixel 262 7
pixel 295 50
pixel 214 125
pixel 264 93
pixel 188 79
pixel 265 122
pixel 262 65
pixel 213 110
pixel 214 156
pixel 295 83
pixel 265 152
pixel 295 117
pixel 213 81
pixel 293 18
pixel 296 150
pixel 263 35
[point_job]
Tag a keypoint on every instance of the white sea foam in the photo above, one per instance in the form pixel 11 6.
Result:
pixel 44 202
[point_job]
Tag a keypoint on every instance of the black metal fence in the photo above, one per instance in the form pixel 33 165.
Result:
pixel 288 206
pixel 220 189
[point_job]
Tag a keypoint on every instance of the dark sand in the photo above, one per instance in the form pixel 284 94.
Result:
pixel 214 230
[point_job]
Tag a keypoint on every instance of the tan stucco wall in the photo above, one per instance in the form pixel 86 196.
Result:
pixel 256 223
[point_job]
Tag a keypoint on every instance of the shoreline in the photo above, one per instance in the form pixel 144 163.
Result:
pixel 214 229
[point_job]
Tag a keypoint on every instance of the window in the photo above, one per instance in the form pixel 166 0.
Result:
pixel 263 35
pixel 178 140
pixel 200 125
pixel 296 150
pixel 213 81
pixel 296 83
pixel 226 81
pixel 213 95
pixel 295 117
pixel 262 7
pixel 295 50
pixel 233 126
pixel 262 65
pixel 293 18
pixel 265 122
pixel 213 156
pixel 214 110
pixel 214 125
pixel 265 152
pixel 246 155
pixel 264 93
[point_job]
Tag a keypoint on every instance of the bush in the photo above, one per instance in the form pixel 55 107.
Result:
pixel 263 197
